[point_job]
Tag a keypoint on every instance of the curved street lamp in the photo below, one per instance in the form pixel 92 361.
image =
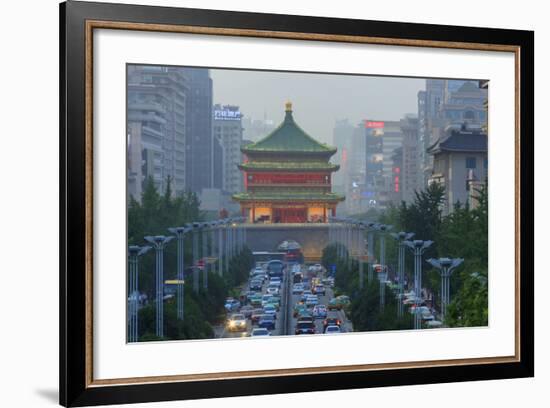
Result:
pixel 446 266
pixel 400 237
pixel 383 274
pixel 180 232
pixel 159 242
pixel 417 247
pixel 134 252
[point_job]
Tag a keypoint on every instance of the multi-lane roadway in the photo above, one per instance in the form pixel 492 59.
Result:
pixel 285 321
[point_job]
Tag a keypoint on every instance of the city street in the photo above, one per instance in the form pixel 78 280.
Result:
pixel 285 321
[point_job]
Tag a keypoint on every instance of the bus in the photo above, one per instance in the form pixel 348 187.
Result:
pixel 292 250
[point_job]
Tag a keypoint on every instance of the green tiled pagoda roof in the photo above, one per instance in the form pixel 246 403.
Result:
pixel 290 138
pixel 301 165
pixel 288 196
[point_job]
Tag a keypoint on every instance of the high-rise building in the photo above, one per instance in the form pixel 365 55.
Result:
pixel 228 132
pixel 382 138
pixel 341 139
pixel 397 179
pixel 156 119
pixel 410 175
pixel 350 179
pixel 199 143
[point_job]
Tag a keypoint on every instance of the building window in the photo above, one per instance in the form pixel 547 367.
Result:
pixel 470 162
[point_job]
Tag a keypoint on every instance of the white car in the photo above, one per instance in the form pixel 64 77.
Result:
pixel 332 329
pixel 260 332
pixel 434 323
pixel 311 300
pixel 237 322
pixel 421 310
pixel 273 290
pixel 297 289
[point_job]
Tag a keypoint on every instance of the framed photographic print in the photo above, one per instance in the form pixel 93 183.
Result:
pixel 256 204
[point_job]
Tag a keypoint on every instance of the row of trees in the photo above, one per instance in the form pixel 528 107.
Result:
pixel 153 216
pixel 462 233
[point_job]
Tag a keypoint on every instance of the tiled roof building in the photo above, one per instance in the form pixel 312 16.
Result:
pixel 288 177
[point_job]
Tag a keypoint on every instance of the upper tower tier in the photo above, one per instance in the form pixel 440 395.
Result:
pixel 288 139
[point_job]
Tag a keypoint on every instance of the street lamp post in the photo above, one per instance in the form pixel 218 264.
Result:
pixel 383 274
pixel 446 266
pixel 361 242
pixel 371 229
pixel 159 242
pixel 417 247
pixel 134 252
pixel 204 237
pixel 400 237
pixel 195 248
pixel 227 244
pixel 221 251
pixel 180 232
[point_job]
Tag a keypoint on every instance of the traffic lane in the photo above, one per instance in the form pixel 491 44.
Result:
pixel 346 325
pixel 279 321
pixel 323 300
pixel 293 299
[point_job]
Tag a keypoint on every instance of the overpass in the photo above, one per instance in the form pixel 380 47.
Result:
pixel 266 237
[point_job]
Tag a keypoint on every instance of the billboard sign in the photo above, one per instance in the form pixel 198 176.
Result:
pixel 227 114
pixel 370 124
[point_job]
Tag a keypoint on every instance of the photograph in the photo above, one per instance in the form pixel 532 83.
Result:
pixel 287 203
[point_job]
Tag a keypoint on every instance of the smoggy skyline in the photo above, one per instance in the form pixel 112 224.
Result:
pixel 318 99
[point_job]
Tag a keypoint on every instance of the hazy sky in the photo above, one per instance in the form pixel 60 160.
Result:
pixel 318 99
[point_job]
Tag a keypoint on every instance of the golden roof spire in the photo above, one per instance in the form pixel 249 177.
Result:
pixel 288 106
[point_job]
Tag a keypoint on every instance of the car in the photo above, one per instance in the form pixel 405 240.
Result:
pixel 297 289
pixel 275 280
pixel 303 327
pixel 305 294
pixel 250 294
pixel 319 290
pixel 273 290
pixel 255 285
pixel 338 303
pixel 265 298
pixel 311 300
pixel 319 311
pixel 331 321
pixel 260 332
pixel 256 314
pixel 304 314
pixel 332 329
pixel 270 309
pixel 420 309
pixel 275 301
pixel 344 299
pixel 256 300
pixel 232 305
pixel 427 317
pixel 334 304
pixel 297 277
pixel 267 322
pixel 434 324
pixel 299 307
pixel 309 319
pixel 247 311
pixel 237 322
